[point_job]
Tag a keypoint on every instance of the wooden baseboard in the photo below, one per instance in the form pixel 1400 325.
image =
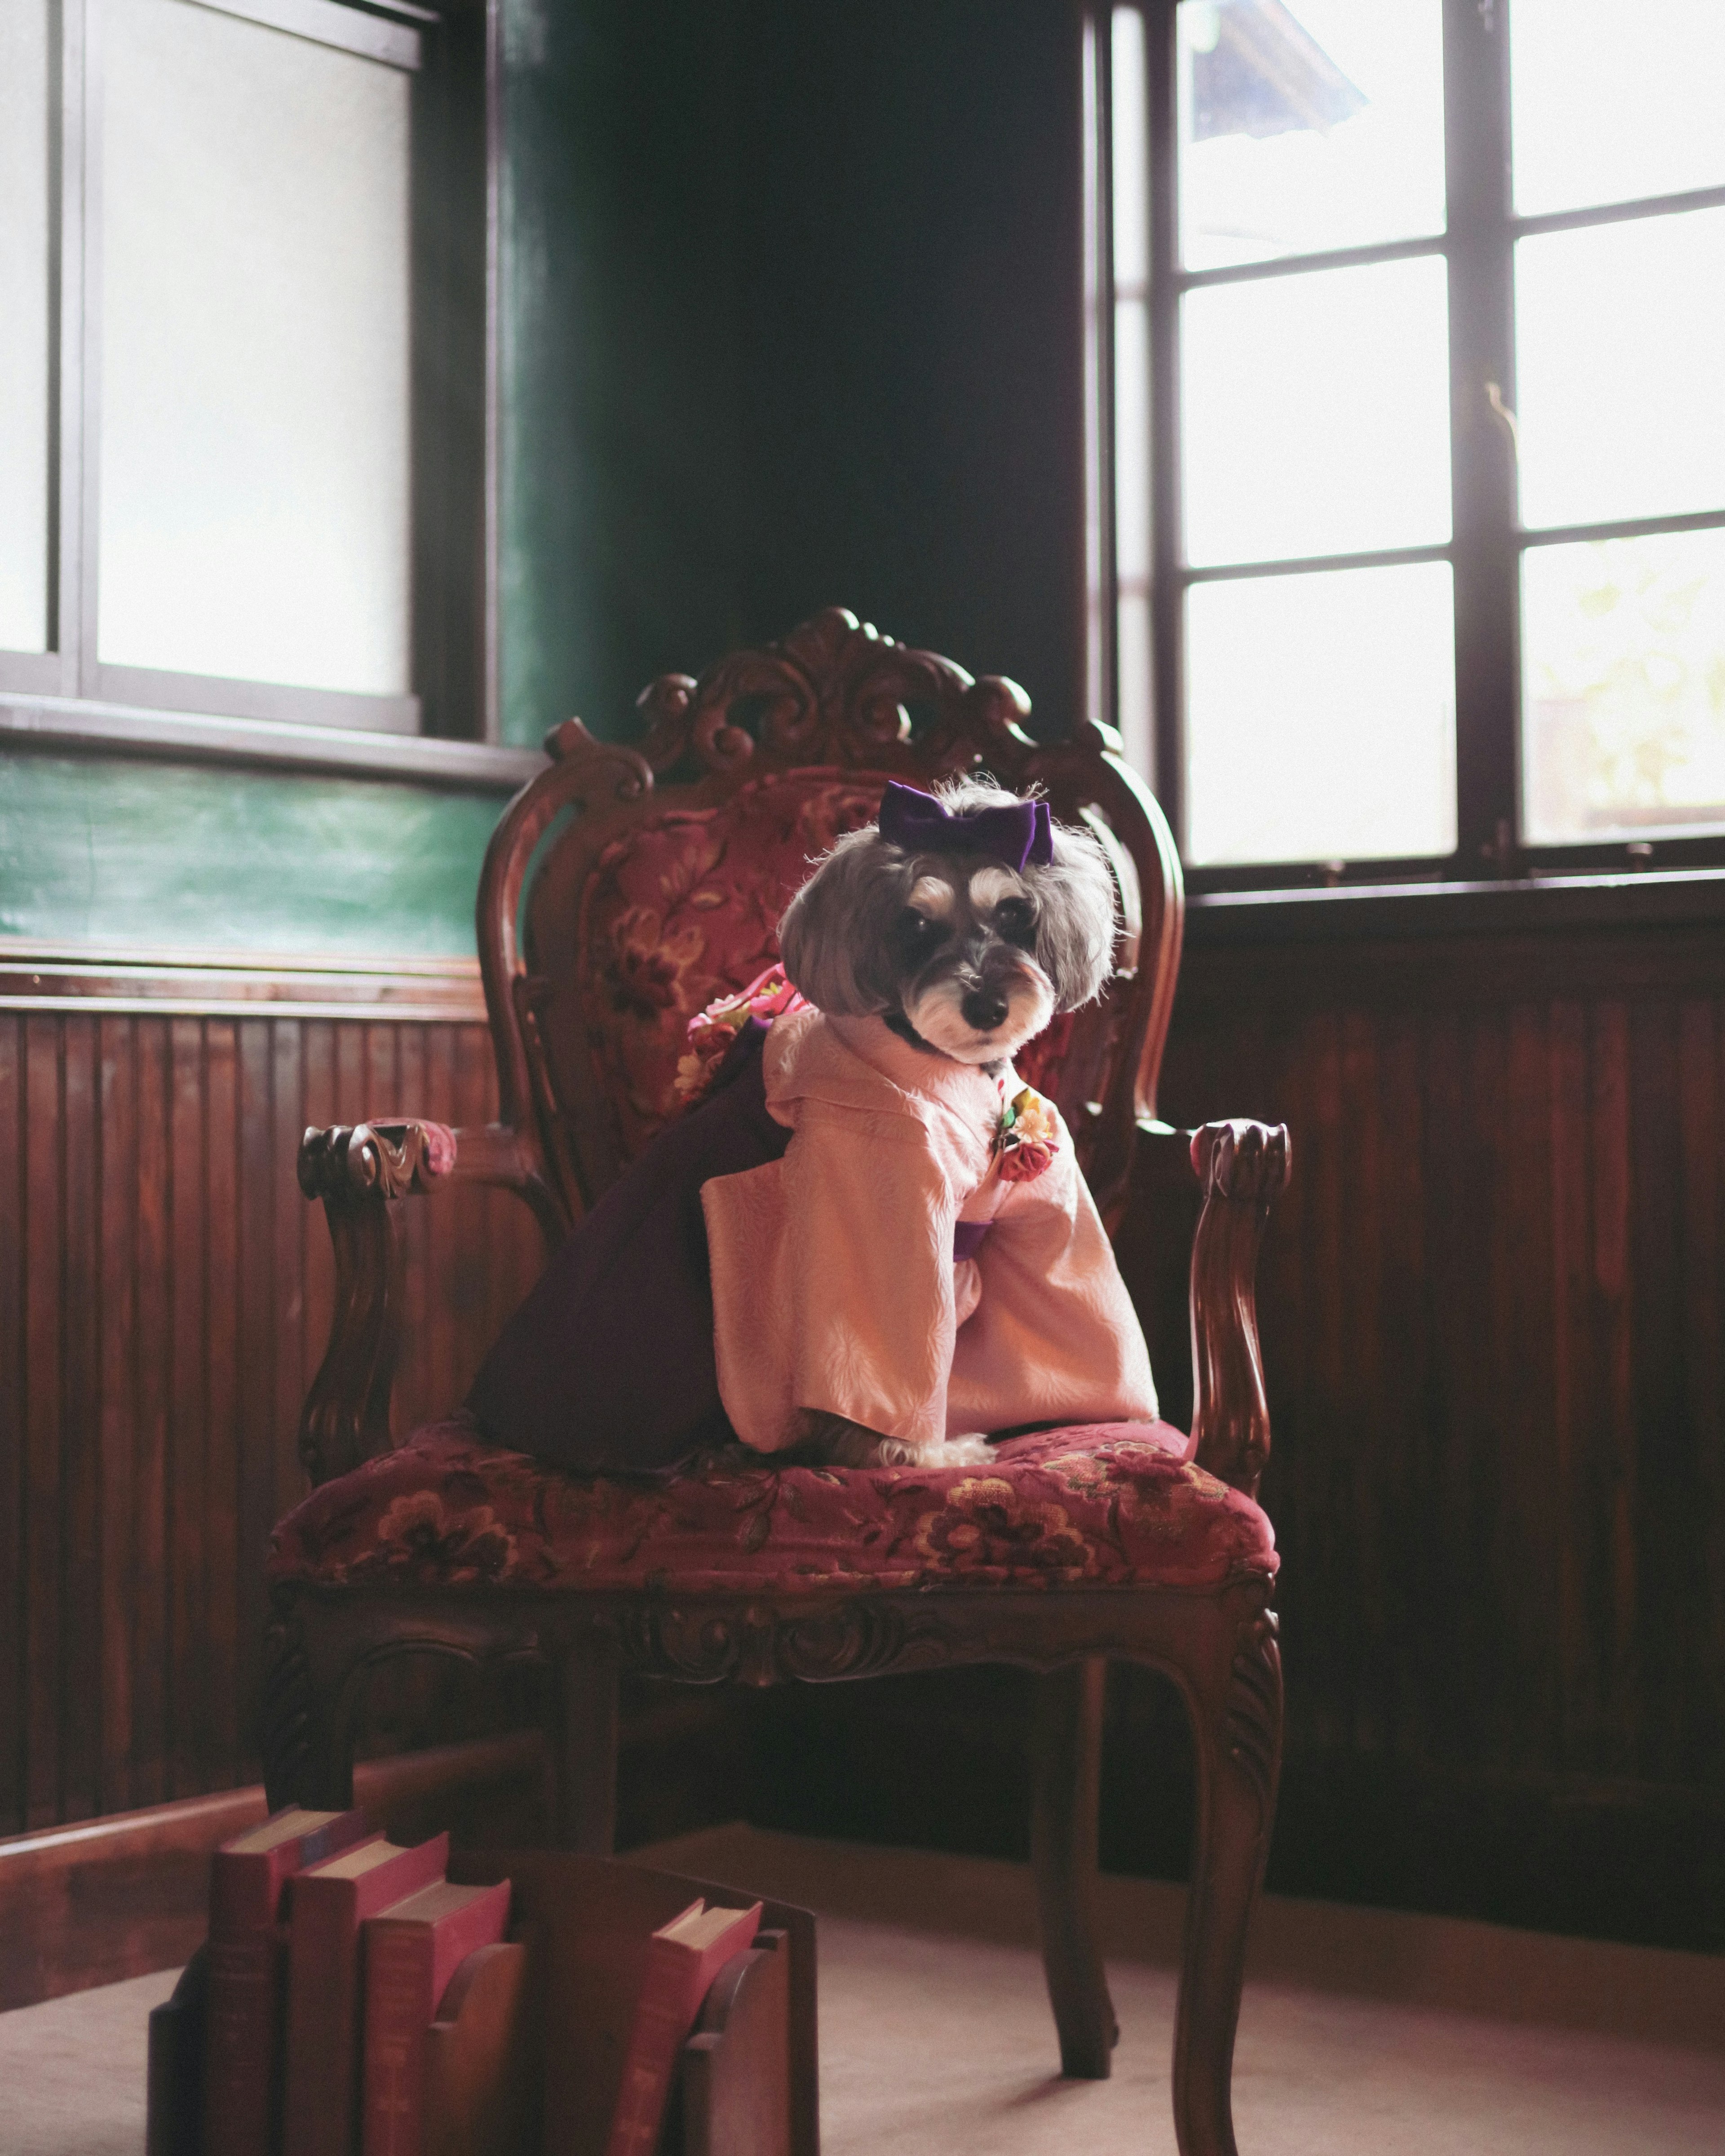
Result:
pixel 122 1895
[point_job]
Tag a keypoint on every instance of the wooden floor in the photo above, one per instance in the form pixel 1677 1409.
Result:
pixel 1402 2035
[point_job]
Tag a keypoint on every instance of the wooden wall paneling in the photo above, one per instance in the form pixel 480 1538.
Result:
pixel 190 1770
pixel 81 1426
pixel 13 1580
pixel 287 1296
pixel 165 1291
pixel 1404 1377
pixel 1611 1481
pixel 45 1235
pixel 223 1347
pixel 1576 1383
pixel 258 1194
pixel 1670 1593
pixel 1702 1194
pixel 317 1264
pixel 116 1565
pixel 152 1608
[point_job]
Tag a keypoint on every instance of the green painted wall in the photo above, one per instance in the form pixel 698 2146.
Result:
pixel 121 851
pixel 788 297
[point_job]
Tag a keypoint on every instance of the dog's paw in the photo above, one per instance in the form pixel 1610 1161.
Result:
pixel 971 1450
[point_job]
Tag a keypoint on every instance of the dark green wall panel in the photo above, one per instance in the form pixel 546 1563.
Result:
pixel 120 851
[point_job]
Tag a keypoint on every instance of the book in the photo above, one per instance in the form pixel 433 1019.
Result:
pixel 410 1953
pixel 173 2103
pixel 482 2070
pixel 249 1875
pixel 589 1920
pixel 683 1957
pixel 329 1904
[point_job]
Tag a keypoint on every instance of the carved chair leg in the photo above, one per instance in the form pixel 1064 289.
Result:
pixel 307 1744
pixel 584 1746
pixel 1236 1725
pixel 1067 1739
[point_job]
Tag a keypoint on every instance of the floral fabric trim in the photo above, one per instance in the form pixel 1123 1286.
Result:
pixel 713 1031
pixel 1029 1136
pixel 1109 1505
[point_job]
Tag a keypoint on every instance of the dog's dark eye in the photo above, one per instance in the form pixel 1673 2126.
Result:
pixel 1016 920
pixel 919 933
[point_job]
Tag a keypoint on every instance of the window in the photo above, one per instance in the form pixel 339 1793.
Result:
pixel 242 384
pixel 1410 348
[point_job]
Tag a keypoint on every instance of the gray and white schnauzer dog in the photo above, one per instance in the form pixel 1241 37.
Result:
pixel 964 919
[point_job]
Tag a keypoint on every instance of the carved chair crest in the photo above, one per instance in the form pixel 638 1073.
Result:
pixel 631 883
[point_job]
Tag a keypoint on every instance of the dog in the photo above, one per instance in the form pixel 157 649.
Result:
pixel 863 1242
pixel 963 920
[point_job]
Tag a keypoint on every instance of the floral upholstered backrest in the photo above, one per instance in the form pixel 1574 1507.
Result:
pixel 630 885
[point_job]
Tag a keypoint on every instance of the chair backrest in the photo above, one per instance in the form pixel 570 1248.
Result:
pixel 628 886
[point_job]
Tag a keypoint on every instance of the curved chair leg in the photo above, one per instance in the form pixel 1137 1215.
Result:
pixel 1067 1753
pixel 1236 1725
pixel 584 1746
pixel 307 1749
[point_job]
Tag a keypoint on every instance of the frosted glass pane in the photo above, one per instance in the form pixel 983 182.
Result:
pixel 1620 369
pixel 24 257
pixel 1321 716
pixel 1609 103
pixel 1309 124
pixel 1316 413
pixel 255 451
pixel 1623 642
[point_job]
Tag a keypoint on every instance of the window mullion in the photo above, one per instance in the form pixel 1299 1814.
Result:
pixel 1481 352
pixel 1168 611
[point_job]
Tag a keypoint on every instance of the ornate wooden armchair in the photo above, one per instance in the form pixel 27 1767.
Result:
pixel 624 888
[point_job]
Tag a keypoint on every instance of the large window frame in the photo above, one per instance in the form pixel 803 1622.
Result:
pixel 447 727
pixel 1487 540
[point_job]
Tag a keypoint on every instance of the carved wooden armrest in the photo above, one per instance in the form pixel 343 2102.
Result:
pixel 1242 1167
pixel 359 1170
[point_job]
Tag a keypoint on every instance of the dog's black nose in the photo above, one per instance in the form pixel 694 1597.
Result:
pixel 984 1008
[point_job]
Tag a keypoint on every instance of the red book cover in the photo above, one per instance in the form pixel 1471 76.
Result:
pixel 328 1905
pixel 683 1957
pixel 242 2027
pixel 411 1953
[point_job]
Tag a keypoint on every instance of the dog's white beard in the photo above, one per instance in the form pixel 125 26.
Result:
pixel 937 1016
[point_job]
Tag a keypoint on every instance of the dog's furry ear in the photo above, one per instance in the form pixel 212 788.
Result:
pixel 834 938
pixel 1078 914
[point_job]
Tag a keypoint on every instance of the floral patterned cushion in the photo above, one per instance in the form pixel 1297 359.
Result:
pixel 1110 1505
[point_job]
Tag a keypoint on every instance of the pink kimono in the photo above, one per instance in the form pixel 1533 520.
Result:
pixel 834 1283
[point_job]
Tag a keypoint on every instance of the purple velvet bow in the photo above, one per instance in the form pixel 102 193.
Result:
pixel 1019 835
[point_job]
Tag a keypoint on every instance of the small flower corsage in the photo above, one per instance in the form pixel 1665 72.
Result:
pixel 712 1034
pixel 1029 1136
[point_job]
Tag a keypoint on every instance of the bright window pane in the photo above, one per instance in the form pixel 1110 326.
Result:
pixel 1316 413
pixel 1611 102
pixel 255 447
pixel 1321 716
pixel 1620 369
pixel 1128 120
pixel 1311 125
pixel 24 200
pixel 1623 702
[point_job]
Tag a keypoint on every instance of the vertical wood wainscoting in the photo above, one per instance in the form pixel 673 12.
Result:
pixel 1492 1303
pixel 165 1295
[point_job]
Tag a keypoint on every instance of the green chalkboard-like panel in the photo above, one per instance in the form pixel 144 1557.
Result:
pixel 122 851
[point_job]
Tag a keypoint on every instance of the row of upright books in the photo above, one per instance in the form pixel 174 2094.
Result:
pixel 353 2000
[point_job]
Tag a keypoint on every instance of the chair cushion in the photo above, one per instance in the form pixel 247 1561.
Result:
pixel 1107 1505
